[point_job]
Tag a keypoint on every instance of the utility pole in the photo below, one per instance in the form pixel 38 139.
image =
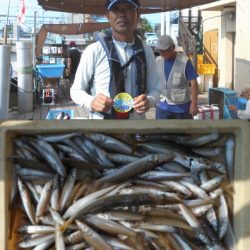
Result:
pixel 6 25
pixel 163 23
pixel 34 40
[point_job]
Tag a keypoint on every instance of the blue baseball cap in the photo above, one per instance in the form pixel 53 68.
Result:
pixel 110 3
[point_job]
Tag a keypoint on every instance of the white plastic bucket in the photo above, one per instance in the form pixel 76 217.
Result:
pixel 24 74
pixel 208 81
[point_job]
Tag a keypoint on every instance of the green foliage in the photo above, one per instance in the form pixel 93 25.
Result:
pixel 145 25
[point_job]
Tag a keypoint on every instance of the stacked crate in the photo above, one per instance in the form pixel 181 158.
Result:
pixel 223 97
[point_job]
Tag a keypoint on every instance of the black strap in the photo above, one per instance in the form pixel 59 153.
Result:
pixel 116 70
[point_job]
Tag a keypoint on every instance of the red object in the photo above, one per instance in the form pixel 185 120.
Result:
pixel 119 115
pixel 22 12
pixel 72 44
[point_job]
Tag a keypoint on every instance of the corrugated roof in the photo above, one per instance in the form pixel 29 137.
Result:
pixel 97 6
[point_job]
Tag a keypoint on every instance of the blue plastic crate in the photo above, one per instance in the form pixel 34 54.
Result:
pixel 241 104
pixel 51 70
pixel 52 114
pixel 224 97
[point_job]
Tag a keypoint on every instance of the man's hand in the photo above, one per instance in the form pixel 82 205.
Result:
pixel 193 110
pixel 101 103
pixel 141 104
pixel 232 107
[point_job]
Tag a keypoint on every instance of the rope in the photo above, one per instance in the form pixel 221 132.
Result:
pixel 23 90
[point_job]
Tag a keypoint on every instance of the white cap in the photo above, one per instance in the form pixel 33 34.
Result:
pixel 164 42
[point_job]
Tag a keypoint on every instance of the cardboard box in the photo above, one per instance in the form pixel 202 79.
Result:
pixel 240 128
pixel 208 112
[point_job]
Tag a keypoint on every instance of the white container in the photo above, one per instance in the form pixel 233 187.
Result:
pixel 208 112
pixel 208 79
pixel 24 74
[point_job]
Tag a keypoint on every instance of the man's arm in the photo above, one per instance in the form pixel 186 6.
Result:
pixel 69 64
pixel 154 84
pixel 244 114
pixel 191 75
pixel 194 97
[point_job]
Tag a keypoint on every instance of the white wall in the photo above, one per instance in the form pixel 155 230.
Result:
pixel 211 20
pixel 233 48
pixel 225 53
pixel 220 20
pixel 242 46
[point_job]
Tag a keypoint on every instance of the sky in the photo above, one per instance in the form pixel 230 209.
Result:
pixel 33 6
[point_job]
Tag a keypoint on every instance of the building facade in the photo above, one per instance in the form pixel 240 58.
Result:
pixel 226 41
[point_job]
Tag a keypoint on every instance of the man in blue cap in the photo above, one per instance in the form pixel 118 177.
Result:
pixel 118 62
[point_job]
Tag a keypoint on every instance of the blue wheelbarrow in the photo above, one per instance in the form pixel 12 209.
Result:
pixel 45 72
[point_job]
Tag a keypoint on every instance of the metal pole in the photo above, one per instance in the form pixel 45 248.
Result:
pixel 163 23
pixel 4 81
pixel 6 27
pixel 17 32
pixel 167 23
pixel 34 41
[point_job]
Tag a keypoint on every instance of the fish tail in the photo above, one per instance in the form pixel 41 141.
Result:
pixel 66 224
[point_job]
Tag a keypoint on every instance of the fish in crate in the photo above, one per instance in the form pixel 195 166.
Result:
pixel 124 191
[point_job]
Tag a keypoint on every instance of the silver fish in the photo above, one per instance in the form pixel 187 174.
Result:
pixel 195 224
pixel 26 200
pixel 35 241
pixel 137 167
pixel 55 196
pixel 182 242
pixel 213 183
pixel 67 188
pixel 57 137
pixel 36 229
pixel 50 155
pixel 229 156
pixel 110 143
pixel 223 217
pixel 98 153
pixel 59 241
pixel 163 175
pixel 92 237
pixel 198 140
pixel 208 151
pixel 80 204
pixel 109 226
pixel 44 200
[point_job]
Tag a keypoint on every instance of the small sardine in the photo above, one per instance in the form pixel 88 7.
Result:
pixel 26 200
pixel 137 167
pixel 92 237
pixel 110 143
pixel 44 200
pixel 67 188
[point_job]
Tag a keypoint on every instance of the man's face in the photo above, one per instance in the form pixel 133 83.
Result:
pixel 123 18
pixel 168 54
pixel 246 94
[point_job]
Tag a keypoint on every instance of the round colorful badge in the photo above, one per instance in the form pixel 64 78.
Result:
pixel 123 102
